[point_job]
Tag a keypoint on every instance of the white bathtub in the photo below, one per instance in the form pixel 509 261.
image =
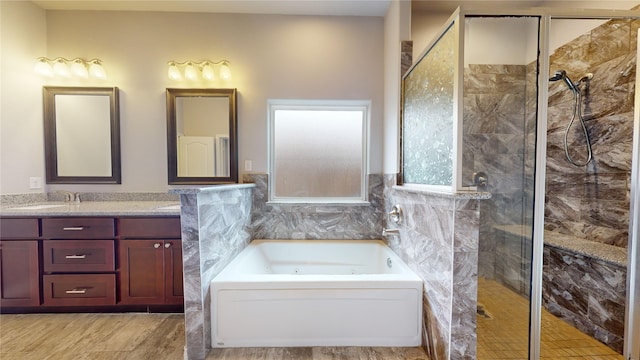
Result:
pixel 316 293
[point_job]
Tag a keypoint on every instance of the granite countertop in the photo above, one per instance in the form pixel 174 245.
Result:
pixel 608 253
pixel 604 252
pixel 92 208
pixel 443 192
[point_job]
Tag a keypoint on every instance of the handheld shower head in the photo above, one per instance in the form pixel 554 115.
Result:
pixel 562 75
pixel 559 75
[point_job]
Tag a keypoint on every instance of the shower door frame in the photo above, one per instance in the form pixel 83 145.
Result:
pixel 631 351
pixel 632 317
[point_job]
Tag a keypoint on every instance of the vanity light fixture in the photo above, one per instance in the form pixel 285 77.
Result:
pixel 203 70
pixel 66 68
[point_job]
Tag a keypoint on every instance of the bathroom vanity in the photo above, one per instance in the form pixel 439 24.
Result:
pixel 93 256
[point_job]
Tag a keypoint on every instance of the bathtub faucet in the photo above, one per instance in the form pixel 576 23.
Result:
pixel 390 232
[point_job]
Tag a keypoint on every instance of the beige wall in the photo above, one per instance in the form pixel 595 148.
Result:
pixel 22 40
pixel 397 28
pixel 272 56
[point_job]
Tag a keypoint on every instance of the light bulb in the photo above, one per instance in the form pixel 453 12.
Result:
pixel 96 70
pixel 225 72
pixel 190 72
pixel 43 68
pixel 207 72
pixel 78 69
pixel 60 68
pixel 174 72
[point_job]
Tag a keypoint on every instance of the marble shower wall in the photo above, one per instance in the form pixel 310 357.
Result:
pixel 295 221
pixel 586 292
pixel 496 131
pixel 439 241
pixel 215 228
pixel 592 202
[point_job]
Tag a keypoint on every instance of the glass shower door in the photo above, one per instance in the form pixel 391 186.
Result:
pixel 500 109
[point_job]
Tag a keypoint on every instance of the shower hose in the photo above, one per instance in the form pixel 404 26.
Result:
pixel 577 112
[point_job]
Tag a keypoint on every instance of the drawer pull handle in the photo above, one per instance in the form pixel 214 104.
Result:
pixel 167 245
pixel 73 228
pixel 76 291
pixel 156 245
pixel 75 257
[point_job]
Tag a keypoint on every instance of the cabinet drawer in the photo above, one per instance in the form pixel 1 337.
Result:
pixel 75 290
pixel 78 228
pixel 161 227
pixel 78 255
pixel 19 229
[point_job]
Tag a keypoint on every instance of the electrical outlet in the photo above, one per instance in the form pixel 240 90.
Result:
pixel 247 165
pixel 35 182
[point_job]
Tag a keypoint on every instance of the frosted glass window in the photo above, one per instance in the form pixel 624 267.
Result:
pixel 318 152
pixel 427 151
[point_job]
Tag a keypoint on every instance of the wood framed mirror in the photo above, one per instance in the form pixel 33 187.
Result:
pixel 82 135
pixel 202 143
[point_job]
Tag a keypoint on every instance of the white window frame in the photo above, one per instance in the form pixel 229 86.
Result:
pixel 320 105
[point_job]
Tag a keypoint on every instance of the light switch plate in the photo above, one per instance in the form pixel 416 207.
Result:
pixel 35 182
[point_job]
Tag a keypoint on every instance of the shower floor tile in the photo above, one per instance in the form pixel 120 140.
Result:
pixel 503 330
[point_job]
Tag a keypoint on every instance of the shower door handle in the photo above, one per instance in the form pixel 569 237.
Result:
pixel 480 180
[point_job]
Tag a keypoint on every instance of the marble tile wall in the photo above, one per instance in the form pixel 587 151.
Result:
pixel 495 133
pixel 592 202
pixel 587 293
pixel 284 221
pixel 215 228
pixel 439 241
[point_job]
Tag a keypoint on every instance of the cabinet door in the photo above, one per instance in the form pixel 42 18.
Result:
pixel 174 293
pixel 141 271
pixel 19 274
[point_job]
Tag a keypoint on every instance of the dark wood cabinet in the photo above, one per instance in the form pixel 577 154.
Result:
pixel 79 289
pixel 151 272
pixel 53 264
pixel 78 261
pixel 147 245
pixel 19 273
pixel 19 262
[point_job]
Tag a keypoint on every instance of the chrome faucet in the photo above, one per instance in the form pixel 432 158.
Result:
pixel 390 232
pixel 70 196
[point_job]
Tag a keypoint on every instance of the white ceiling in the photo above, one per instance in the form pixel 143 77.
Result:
pixel 316 7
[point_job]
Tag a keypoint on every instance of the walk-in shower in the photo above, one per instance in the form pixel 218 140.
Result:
pixel 561 75
pixel 556 230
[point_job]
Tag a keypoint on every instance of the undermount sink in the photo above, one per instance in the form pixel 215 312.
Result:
pixel 38 207
pixel 169 207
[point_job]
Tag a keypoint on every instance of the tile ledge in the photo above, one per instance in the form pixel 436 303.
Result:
pixel 443 192
pixel 215 188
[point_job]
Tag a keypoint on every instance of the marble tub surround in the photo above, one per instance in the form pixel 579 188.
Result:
pixel 215 228
pixel 592 202
pixel 439 241
pixel 315 221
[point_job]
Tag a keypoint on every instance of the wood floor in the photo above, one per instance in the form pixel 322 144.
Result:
pixel 145 336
